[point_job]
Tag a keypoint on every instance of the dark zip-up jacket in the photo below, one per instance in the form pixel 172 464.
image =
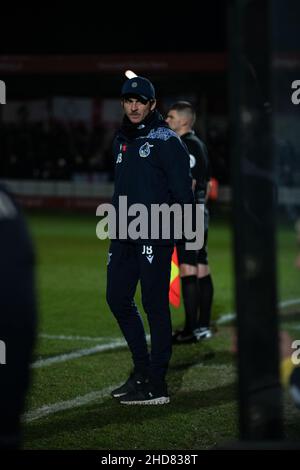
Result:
pixel 151 167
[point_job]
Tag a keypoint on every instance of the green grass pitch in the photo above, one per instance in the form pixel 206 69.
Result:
pixel 68 405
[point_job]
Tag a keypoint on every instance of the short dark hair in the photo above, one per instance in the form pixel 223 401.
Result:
pixel 185 107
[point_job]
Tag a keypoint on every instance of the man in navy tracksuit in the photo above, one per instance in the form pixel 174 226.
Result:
pixel 151 167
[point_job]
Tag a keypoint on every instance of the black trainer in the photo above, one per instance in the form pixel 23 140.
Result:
pixel 147 395
pixel 133 384
pixel 183 337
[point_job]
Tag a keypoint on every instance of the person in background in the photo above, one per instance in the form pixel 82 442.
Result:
pixel 196 280
pixel 17 318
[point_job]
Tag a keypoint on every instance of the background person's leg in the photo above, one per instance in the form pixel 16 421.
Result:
pixel 206 292
pixel 190 301
pixel 205 287
pixel 188 274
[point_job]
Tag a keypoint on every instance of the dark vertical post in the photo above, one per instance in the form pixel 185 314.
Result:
pixel 253 179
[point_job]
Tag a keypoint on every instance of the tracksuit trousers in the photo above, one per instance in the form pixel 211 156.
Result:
pixel 151 264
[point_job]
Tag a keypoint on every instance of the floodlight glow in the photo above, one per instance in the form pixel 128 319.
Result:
pixel 130 74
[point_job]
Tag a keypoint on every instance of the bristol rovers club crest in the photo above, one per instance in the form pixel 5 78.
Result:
pixel 145 150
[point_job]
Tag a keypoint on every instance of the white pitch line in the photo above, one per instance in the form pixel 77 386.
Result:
pixel 223 319
pixel 77 354
pixel 286 303
pixel 76 337
pixel 291 326
pixel 228 317
pixel 118 342
pixel 99 396
pixel 81 400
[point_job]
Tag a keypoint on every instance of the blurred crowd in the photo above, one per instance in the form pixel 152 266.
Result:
pixel 57 150
pixel 52 150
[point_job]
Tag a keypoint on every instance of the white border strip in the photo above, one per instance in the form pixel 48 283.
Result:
pixel 286 303
pixel 99 396
pixel 223 319
pixel 119 342
pixel 79 353
pixel 228 317
pixel 76 337
pixel 81 400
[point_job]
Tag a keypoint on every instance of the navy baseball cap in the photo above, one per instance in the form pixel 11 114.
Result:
pixel 138 86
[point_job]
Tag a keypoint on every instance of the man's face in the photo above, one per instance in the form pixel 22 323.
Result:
pixel 136 109
pixel 175 120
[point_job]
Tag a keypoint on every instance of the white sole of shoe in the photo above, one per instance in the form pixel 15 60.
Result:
pixel 154 401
